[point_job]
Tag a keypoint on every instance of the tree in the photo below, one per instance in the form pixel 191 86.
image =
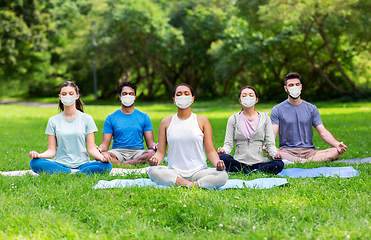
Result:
pixel 334 23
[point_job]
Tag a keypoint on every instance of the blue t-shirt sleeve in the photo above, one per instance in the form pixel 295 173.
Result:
pixel 147 124
pixel 316 119
pixel 107 127
pixel 274 116
pixel 90 124
pixel 50 128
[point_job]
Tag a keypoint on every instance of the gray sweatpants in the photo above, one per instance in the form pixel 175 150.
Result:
pixel 207 177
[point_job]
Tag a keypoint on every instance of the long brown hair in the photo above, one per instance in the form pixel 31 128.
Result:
pixel 79 104
pixel 249 87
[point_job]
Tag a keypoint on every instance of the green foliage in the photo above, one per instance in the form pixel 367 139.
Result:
pixel 318 39
pixel 215 46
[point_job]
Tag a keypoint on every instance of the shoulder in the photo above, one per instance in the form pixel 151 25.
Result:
pixel 113 114
pixel 136 111
pixel 310 106
pixel 166 121
pixel 202 119
pixel 233 117
pixel 56 118
pixel 263 115
pixel 140 113
pixel 85 115
pixel 279 109
pixel 280 105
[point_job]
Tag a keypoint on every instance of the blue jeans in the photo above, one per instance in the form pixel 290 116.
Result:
pixel 44 165
pixel 232 165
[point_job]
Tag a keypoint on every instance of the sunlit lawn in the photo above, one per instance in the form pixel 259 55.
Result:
pixel 66 206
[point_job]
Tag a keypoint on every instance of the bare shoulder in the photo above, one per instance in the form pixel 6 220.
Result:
pixel 202 119
pixel 166 121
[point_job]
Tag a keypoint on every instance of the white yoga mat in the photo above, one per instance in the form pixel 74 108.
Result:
pixel 114 171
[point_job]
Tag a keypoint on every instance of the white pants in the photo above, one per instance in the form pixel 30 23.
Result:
pixel 207 177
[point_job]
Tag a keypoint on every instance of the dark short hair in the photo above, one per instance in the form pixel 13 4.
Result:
pixel 292 75
pixel 128 84
pixel 249 87
pixel 183 84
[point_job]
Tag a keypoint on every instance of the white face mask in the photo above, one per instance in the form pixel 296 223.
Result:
pixel 127 100
pixel 294 91
pixel 183 101
pixel 248 101
pixel 68 100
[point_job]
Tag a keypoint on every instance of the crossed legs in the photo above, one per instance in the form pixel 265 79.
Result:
pixel 207 178
pixel 135 159
pixel 40 165
pixel 232 165
pixel 303 155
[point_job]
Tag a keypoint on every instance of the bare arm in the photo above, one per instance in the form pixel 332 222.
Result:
pixel 93 151
pixel 229 133
pixel 106 141
pixel 148 136
pixel 52 147
pixel 208 143
pixel 162 143
pixel 275 130
pixel 328 138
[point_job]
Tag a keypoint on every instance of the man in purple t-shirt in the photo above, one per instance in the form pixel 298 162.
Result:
pixel 295 118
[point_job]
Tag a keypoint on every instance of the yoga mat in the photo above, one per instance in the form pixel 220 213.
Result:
pixel 356 160
pixel 123 183
pixel 260 183
pixel 342 172
pixel 18 173
pixel 115 171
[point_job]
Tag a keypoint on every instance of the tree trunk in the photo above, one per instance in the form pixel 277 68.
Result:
pixel 318 68
pixel 334 58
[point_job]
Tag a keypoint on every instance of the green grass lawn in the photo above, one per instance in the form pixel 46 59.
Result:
pixel 66 206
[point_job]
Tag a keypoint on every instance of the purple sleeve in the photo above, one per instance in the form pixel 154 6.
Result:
pixel 275 116
pixel 316 117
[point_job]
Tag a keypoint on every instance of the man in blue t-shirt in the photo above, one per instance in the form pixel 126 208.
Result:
pixel 295 118
pixel 127 126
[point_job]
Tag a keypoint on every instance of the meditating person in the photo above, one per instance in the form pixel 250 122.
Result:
pixel 69 133
pixel 295 119
pixel 126 127
pixel 249 129
pixel 188 136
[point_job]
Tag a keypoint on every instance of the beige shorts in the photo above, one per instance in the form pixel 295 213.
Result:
pixel 126 154
pixel 300 152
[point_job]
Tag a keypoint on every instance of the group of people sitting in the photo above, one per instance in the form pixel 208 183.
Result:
pixel 187 136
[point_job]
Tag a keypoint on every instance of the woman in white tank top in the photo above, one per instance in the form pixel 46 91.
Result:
pixel 188 136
